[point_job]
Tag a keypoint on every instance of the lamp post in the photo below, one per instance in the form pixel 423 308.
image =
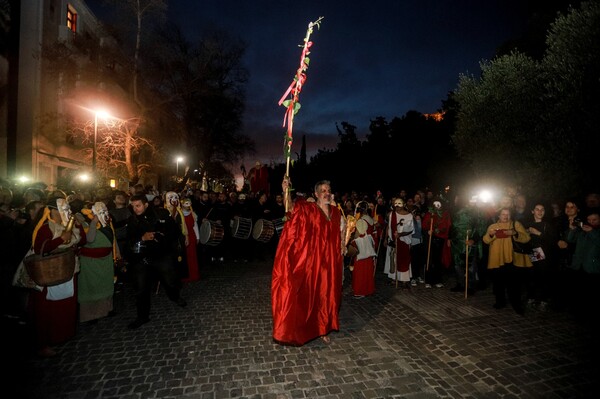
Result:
pixel 179 159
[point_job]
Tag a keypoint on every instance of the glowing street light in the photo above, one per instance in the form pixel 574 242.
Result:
pixel 177 160
pixel 103 114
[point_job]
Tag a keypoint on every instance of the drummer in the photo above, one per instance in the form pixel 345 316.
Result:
pixel 220 213
pixel 243 247
pixel 262 210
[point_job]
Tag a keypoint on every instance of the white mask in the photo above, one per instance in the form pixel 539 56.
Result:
pixel 172 200
pixel 99 209
pixel 64 209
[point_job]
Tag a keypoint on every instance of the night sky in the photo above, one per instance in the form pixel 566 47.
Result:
pixel 370 58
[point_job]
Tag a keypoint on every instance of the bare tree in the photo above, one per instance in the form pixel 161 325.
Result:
pixel 120 149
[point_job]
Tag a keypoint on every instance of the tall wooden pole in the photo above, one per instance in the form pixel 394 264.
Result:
pixel 292 105
pixel 429 244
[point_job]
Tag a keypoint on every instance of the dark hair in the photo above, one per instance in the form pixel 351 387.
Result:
pixel 32 204
pixel 139 197
pixel 538 202
pixel 51 202
pixel 574 201
pixel 119 192
pixel 77 205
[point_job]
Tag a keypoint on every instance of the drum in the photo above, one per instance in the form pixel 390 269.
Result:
pixel 263 230
pixel 241 227
pixel 211 233
pixel 278 224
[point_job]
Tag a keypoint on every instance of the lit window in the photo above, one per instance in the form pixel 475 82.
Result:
pixel 71 19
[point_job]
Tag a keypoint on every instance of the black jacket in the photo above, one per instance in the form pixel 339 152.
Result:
pixel 166 237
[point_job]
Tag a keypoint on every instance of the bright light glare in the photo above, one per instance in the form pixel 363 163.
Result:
pixel 23 179
pixel 179 159
pixel 102 114
pixel 84 177
pixel 485 196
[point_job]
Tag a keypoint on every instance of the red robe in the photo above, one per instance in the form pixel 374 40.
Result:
pixel 259 179
pixel 54 322
pixel 307 275
pixel 441 229
pixel 191 253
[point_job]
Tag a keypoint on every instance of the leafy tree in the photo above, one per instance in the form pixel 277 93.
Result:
pixel 496 127
pixel 531 123
pixel 571 67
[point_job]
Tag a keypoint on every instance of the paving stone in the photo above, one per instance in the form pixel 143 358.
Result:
pixel 419 344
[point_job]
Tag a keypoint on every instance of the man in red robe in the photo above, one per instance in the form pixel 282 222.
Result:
pixel 307 274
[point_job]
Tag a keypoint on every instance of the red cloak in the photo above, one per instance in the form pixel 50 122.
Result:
pixel 306 288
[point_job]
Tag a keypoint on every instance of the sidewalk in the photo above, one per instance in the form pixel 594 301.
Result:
pixel 417 343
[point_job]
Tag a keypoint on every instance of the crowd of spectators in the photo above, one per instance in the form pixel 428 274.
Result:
pixel 239 227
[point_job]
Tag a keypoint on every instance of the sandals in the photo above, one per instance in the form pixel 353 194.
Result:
pixel 326 340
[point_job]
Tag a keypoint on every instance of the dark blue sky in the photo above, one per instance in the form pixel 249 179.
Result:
pixel 370 58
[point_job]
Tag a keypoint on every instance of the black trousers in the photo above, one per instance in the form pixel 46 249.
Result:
pixel 145 272
pixel 507 281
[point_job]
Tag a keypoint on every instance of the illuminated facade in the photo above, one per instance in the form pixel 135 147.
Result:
pixel 32 142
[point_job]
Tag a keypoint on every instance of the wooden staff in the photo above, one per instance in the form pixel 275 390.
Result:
pixel 467 263
pixel 383 234
pixel 429 244
pixel 292 105
pixel 395 262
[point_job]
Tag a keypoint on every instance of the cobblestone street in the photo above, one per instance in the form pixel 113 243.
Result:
pixel 417 343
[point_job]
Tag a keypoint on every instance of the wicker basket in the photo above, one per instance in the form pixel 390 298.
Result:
pixel 51 269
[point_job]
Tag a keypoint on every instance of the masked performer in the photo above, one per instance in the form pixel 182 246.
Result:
pixel 191 239
pixel 363 273
pixel 400 227
pixel 97 257
pixel 54 309
pixel 173 205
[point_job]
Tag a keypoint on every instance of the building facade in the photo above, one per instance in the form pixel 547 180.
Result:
pixel 40 92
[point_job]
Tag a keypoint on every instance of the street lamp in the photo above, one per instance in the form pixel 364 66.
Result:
pixel 177 160
pixel 102 114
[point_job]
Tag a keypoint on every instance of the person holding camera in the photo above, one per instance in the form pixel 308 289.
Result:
pixel 153 237
pixel 508 269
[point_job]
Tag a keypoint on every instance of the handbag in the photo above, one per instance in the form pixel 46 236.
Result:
pixel 522 248
pixel 50 269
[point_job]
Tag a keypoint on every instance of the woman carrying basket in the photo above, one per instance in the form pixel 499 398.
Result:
pixel 53 310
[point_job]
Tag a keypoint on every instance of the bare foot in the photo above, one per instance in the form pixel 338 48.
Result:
pixel 326 340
